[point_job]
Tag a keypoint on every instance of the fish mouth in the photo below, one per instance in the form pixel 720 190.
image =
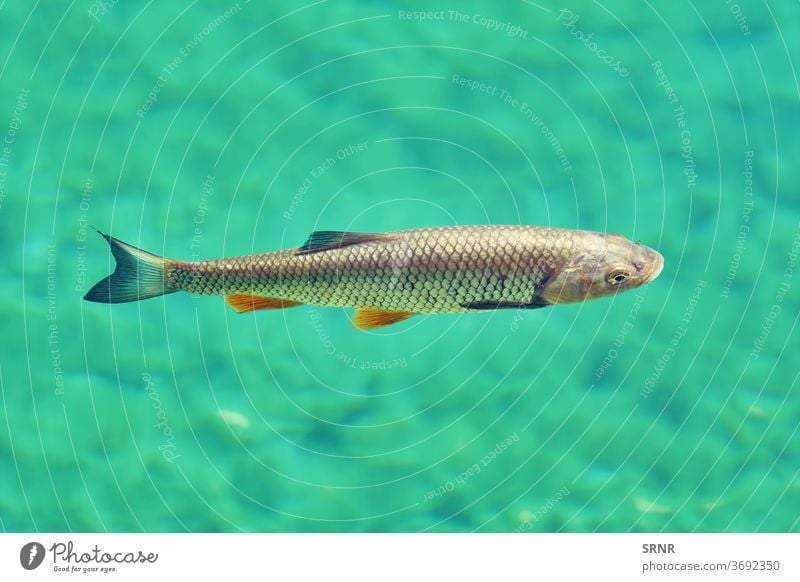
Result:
pixel 656 263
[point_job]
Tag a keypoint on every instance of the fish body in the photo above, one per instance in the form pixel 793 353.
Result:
pixel 391 276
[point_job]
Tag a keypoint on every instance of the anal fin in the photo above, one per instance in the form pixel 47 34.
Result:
pixel 244 303
pixel 367 318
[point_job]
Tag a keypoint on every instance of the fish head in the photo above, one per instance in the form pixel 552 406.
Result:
pixel 602 265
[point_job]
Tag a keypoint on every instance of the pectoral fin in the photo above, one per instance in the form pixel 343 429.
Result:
pixel 367 318
pixel 244 303
pixel 536 303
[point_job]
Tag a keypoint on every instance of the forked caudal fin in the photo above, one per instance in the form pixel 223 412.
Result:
pixel 139 275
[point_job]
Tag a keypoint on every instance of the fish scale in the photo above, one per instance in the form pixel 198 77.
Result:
pixel 436 270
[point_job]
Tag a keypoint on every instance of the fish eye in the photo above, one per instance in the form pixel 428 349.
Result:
pixel 617 277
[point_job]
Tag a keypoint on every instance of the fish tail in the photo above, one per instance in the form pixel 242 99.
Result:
pixel 139 275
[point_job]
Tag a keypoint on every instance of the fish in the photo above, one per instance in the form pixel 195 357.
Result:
pixel 392 276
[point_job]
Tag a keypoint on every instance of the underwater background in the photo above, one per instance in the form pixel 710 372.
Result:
pixel 201 130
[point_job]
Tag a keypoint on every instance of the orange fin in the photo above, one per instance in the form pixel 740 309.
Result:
pixel 244 303
pixel 367 318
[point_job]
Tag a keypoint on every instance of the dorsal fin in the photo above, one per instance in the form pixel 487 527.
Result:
pixel 326 240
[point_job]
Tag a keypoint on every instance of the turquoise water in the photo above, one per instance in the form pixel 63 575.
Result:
pixel 224 129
